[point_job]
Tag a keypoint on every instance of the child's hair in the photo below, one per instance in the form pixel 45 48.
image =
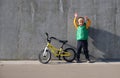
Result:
pixel 80 17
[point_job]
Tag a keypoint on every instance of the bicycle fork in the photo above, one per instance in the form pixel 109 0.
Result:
pixel 45 51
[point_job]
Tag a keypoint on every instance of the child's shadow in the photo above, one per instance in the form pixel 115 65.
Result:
pixel 106 43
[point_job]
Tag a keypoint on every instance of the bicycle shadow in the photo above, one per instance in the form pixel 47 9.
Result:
pixel 106 43
pixel 64 62
pixel 59 62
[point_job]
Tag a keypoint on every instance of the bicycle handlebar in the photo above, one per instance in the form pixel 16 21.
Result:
pixel 47 36
pixel 50 38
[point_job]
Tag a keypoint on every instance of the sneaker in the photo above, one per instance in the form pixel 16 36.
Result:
pixel 89 61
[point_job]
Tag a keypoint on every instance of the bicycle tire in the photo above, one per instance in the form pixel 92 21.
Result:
pixel 44 59
pixel 72 57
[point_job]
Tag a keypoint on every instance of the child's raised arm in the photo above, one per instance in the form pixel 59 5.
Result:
pixel 75 20
pixel 88 22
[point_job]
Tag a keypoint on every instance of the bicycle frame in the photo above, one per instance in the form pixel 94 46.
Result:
pixel 55 51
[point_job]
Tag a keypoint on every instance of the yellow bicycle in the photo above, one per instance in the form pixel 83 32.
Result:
pixel 68 54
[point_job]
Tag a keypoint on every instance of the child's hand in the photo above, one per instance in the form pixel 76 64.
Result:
pixel 76 15
pixel 86 17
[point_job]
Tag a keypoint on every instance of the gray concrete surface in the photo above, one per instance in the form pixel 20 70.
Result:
pixel 23 23
pixel 58 69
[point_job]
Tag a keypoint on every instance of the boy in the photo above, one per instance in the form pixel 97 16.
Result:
pixel 82 35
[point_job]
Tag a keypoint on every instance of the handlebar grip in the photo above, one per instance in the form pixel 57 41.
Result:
pixel 46 33
pixel 47 36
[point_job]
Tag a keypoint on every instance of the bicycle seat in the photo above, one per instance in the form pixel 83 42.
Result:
pixel 63 41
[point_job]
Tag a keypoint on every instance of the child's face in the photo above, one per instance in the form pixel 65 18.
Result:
pixel 80 21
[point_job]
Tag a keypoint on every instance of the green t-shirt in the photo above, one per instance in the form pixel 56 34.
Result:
pixel 82 33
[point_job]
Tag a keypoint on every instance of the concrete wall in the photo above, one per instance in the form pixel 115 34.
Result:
pixel 23 23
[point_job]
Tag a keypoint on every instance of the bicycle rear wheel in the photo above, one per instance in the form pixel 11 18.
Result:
pixel 44 58
pixel 72 55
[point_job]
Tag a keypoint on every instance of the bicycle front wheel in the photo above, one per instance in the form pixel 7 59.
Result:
pixel 72 55
pixel 44 58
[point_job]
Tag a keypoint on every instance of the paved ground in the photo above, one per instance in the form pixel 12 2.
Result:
pixel 58 69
